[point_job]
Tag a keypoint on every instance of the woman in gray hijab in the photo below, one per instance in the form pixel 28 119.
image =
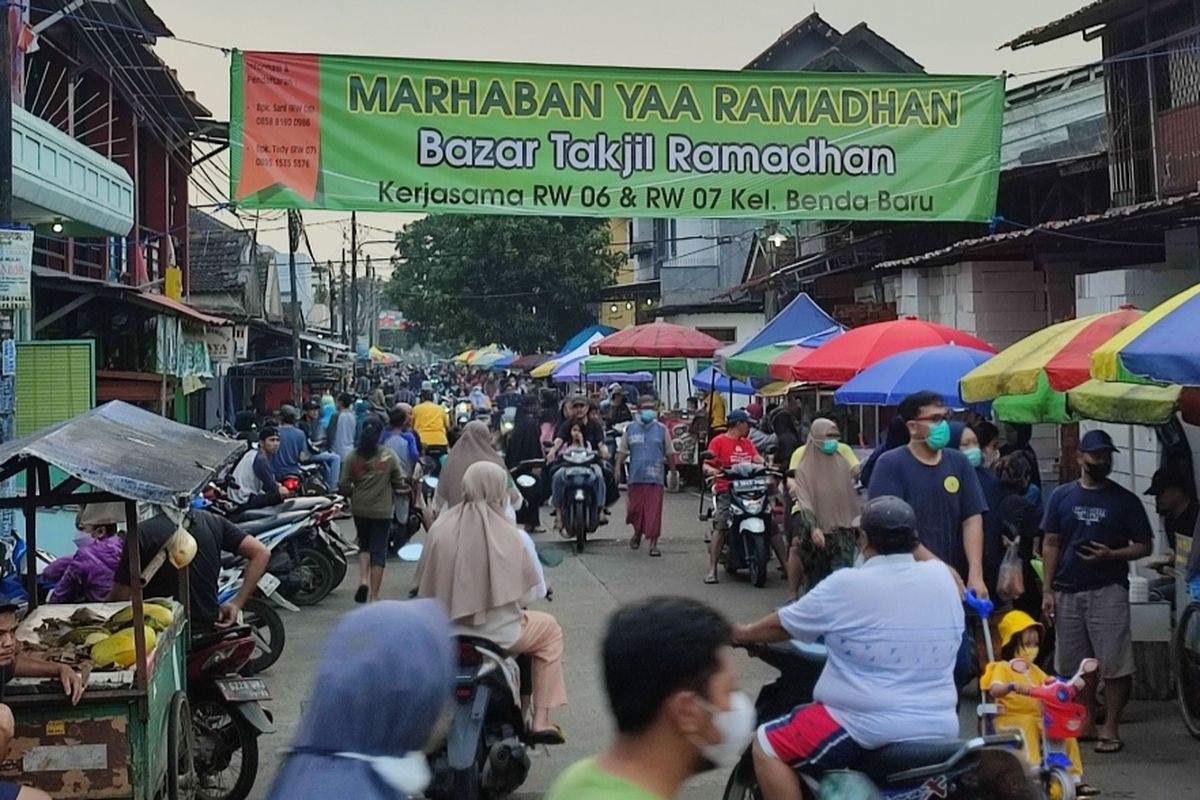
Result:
pixel 384 683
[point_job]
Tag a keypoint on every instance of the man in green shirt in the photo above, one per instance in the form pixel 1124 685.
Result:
pixel 672 686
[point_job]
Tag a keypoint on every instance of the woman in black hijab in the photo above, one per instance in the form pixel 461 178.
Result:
pixel 525 444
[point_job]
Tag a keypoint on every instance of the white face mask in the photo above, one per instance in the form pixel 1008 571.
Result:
pixel 408 774
pixel 736 727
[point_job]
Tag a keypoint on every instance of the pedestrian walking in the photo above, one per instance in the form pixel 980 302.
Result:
pixel 647 446
pixel 371 477
pixel 484 572
pixel 823 537
pixel 525 445
pixel 941 486
pixel 382 687
pixel 343 427
pixel 672 686
pixel 1092 529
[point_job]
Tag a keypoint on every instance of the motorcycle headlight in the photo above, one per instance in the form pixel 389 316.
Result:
pixel 753 506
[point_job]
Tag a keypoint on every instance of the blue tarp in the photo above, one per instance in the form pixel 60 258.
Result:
pixel 712 378
pixel 802 319
pixel 584 335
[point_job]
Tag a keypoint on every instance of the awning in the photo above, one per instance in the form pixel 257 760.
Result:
pixel 157 302
pixel 1093 14
pixel 125 450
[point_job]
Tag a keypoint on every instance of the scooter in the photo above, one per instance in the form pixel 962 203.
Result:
pixel 922 770
pixel 226 712
pixel 292 533
pixel 260 613
pixel 581 507
pixel 485 753
pixel 751 521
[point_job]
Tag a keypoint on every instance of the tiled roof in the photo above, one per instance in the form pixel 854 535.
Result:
pixel 216 254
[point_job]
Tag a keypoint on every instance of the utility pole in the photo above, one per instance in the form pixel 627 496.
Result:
pixel 342 297
pixel 293 243
pixel 371 312
pixel 354 285
pixel 6 120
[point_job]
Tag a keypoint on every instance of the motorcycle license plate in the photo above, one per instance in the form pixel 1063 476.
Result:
pixel 240 690
pixel 749 485
pixel 268 583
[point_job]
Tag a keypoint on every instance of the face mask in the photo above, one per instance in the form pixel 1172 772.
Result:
pixel 974 455
pixel 649 415
pixel 82 541
pixel 408 775
pixel 1028 653
pixel 829 446
pixel 736 727
pixel 1098 472
pixel 939 435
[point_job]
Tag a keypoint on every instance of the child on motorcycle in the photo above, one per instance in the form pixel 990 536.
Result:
pixel 1021 637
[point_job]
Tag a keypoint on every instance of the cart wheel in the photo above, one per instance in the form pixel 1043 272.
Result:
pixel 181 770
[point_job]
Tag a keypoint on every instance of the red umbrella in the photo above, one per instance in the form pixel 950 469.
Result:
pixel 843 357
pixel 783 366
pixel 658 340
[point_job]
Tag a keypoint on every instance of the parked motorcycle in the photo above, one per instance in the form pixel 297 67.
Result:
pixel 259 613
pixel 921 770
pixel 581 506
pixel 751 520
pixel 226 713
pixel 485 753
pixel 319 566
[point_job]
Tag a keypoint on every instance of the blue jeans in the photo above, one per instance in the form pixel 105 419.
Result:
pixel 333 468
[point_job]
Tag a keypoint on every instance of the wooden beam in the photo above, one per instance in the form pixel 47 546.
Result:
pixel 55 316
pixel 68 486
pixel 29 504
pixel 53 499
pixel 133 551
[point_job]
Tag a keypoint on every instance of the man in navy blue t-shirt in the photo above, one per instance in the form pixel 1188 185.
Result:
pixel 1092 529
pixel 293 446
pixel 941 486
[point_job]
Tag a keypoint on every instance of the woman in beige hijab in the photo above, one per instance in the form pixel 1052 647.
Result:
pixel 823 535
pixel 483 569
pixel 474 445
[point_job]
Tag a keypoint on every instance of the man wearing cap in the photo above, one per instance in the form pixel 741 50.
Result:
pixel 892 630
pixel 619 410
pixel 15 665
pixel 310 426
pixel 729 449
pixel 1092 529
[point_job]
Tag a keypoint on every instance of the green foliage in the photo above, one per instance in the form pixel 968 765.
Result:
pixel 522 282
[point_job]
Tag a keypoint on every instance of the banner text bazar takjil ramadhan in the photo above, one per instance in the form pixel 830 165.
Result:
pixel 378 134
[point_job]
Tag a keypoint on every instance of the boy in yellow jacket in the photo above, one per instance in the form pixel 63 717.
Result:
pixel 1021 637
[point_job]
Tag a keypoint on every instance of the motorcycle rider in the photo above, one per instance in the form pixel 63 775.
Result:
pixel 431 423
pixel 214 535
pixel 729 449
pixel 254 484
pixel 293 445
pixel 310 425
pixel 619 410
pixel 593 438
pixel 892 628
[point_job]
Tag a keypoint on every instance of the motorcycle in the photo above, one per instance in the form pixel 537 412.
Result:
pixel 751 520
pixel 612 437
pixel 304 535
pixel 485 753
pixel 921 770
pixel 581 506
pixel 226 713
pixel 309 483
pixel 259 614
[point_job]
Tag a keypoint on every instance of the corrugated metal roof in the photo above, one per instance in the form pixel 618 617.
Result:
pixel 1093 14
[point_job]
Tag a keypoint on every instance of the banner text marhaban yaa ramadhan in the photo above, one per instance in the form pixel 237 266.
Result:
pixel 378 134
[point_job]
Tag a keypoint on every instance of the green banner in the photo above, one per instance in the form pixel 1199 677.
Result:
pixel 381 134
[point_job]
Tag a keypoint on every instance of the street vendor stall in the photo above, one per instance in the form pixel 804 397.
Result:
pixel 129 737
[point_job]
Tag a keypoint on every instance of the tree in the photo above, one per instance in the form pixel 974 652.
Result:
pixel 523 282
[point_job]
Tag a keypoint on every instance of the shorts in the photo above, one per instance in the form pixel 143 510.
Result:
pixel 721 513
pixel 810 738
pixel 1094 624
pixel 373 538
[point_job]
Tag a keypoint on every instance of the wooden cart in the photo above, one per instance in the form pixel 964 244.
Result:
pixel 131 741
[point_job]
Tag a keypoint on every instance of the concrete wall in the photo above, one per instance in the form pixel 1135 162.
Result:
pixel 745 323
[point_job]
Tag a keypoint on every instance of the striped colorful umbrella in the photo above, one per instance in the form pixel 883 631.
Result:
pixel 1161 346
pixel 1056 358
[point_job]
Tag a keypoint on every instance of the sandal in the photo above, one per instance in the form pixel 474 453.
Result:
pixel 553 735
pixel 655 552
pixel 710 579
pixel 1105 745
pixel 635 542
pixel 1086 790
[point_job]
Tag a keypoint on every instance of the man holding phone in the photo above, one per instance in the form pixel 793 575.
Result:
pixel 1093 528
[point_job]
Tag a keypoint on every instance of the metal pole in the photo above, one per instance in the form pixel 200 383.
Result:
pixel 371 312
pixel 6 120
pixel 342 297
pixel 293 243
pixel 354 285
pixel 134 556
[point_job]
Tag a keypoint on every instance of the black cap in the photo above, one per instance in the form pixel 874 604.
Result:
pixel 887 513
pixel 312 405
pixel 1097 442
pixel 736 417
pixel 7 605
pixel 1165 477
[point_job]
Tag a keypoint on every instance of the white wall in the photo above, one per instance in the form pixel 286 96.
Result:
pixel 747 323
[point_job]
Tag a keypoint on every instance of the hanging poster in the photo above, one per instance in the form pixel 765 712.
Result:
pixel 16 266
pixel 382 134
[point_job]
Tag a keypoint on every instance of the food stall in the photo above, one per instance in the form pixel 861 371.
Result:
pixel 130 734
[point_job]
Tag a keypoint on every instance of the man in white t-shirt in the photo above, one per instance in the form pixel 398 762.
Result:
pixel 892 629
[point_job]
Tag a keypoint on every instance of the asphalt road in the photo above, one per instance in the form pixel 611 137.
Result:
pixel 1160 761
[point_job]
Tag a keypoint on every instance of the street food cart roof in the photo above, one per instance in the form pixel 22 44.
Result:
pixel 127 451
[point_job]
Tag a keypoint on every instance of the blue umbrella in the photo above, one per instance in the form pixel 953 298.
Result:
pixel 936 369
pixel 712 378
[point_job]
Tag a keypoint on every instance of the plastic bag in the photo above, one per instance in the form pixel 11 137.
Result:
pixel 1011 581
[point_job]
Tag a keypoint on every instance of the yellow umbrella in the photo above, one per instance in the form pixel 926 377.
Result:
pixel 544 369
pixel 481 352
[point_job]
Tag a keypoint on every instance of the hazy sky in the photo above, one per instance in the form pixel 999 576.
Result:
pixel 948 36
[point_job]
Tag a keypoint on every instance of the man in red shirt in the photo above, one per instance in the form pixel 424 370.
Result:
pixel 729 448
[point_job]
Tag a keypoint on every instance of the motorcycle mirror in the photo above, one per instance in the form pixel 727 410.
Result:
pixel 526 481
pixel 411 552
pixel 848 786
pixel 708 455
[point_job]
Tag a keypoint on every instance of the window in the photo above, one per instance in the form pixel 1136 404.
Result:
pixel 55 381
pixel 666 231
pixel 726 335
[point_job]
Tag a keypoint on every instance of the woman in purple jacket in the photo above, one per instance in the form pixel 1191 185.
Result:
pixel 87 576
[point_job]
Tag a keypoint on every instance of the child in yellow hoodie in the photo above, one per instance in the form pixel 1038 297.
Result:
pixel 1021 637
